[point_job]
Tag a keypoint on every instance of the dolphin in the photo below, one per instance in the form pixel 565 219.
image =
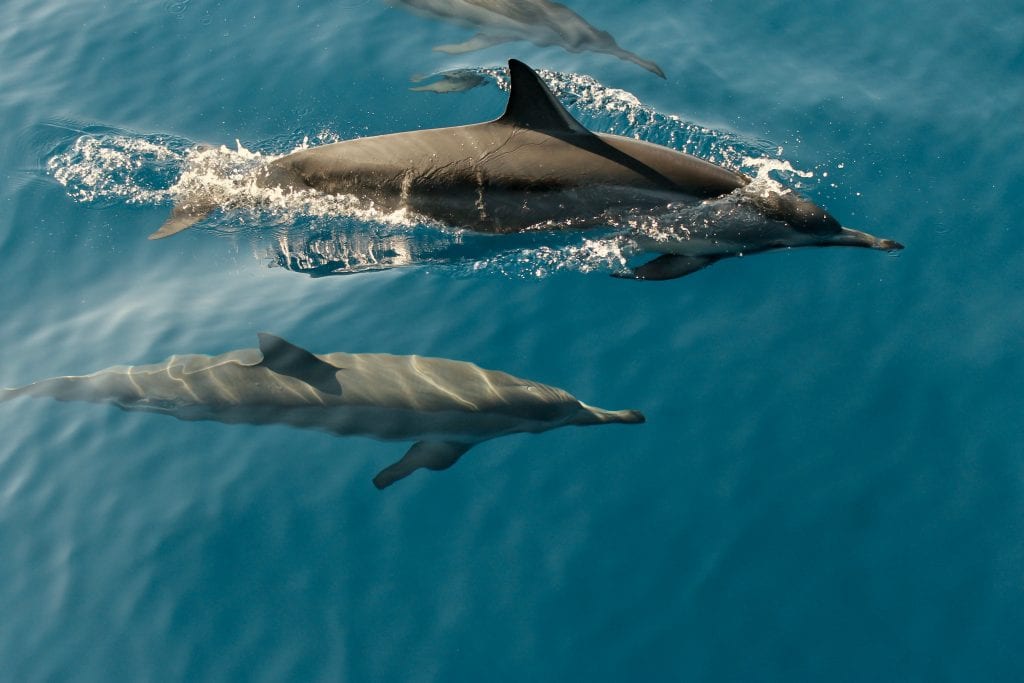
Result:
pixel 535 165
pixel 444 406
pixel 540 22
pixel 456 80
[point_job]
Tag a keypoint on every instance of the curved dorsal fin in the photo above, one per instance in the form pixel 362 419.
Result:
pixel 286 358
pixel 532 105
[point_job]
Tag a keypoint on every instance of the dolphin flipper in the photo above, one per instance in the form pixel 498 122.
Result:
pixel 434 455
pixel 668 267
pixel 286 358
pixel 183 216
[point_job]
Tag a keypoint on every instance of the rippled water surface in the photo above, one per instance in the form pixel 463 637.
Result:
pixel 829 485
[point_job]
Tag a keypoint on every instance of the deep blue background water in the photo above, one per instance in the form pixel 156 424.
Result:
pixel 830 485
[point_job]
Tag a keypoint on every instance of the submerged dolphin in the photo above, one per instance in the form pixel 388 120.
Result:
pixel 537 165
pixel 540 22
pixel 456 80
pixel 445 406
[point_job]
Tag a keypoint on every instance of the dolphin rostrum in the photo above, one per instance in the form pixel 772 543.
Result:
pixel 445 406
pixel 536 166
pixel 540 22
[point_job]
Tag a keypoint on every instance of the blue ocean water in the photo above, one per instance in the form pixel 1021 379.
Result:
pixel 830 484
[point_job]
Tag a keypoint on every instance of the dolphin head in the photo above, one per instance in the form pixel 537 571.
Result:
pixel 821 228
pixel 800 214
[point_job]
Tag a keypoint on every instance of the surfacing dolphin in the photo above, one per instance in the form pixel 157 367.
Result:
pixel 540 22
pixel 536 166
pixel 445 406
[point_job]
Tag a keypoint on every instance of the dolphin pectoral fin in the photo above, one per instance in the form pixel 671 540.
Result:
pixel 287 359
pixel 668 267
pixel 183 216
pixel 434 455
pixel 477 42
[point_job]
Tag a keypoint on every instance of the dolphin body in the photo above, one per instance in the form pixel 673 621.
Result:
pixel 537 165
pixel 445 406
pixel 540 22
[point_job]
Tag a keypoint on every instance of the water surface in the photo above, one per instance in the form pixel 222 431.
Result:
pixel 829 484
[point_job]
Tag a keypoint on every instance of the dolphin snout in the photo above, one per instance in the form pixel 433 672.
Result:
pixel 629 417
pixel 632 417
pixel 889 245
pixel 855 238
pixel 593 415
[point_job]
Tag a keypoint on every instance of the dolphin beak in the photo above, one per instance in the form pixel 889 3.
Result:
pixel 856 238
pixel 591 415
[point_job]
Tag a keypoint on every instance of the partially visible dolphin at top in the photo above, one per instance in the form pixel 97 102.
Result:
pixel 540 22
pixel 444 406
pixel 536 166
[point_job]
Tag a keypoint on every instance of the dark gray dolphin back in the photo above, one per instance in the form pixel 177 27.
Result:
pixel 533 106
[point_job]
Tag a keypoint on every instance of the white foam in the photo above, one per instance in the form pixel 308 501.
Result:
pixel 100 168
pixel 599 254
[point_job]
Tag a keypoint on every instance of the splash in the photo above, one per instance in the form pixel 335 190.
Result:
pixel 103 168
pixel 763 182
pixel 606 254
pixel 150 170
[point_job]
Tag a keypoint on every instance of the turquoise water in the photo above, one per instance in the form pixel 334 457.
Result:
pixel 830 482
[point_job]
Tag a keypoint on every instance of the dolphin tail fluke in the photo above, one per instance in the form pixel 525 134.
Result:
pixel 183 216
pixel 668 267
pixel 639 61
pixel 434 455
pixel 61 388
pixel 9 394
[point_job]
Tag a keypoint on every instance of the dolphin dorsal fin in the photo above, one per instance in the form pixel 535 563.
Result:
pixel 532 105
pixel 290 360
